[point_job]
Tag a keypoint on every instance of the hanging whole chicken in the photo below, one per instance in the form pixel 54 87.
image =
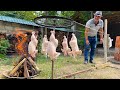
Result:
pixel 32 45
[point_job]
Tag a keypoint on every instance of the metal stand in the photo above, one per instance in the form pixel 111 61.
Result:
pixel 54 22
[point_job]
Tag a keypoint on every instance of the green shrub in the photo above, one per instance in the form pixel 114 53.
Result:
pixel 80 37
pixel 4 45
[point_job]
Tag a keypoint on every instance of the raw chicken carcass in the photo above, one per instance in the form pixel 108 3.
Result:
pixel 44 45
pixel 53 39
pixel 51 51
pixel 34 38
pixel 32 45
pixel 65 49
pixel 75 50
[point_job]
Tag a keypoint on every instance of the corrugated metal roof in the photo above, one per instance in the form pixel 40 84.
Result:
pixel 21 21
pixel 16 20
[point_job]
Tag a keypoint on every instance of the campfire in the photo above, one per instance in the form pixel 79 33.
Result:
pixel 25 66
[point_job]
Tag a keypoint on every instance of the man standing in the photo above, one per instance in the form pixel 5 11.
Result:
pixel 93 26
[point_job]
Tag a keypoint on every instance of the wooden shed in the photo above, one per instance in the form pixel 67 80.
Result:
pixel 9 25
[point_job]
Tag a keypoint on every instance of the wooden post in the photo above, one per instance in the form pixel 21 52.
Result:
pixel 105 41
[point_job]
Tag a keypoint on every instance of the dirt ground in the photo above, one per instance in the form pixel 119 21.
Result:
pixel 100 70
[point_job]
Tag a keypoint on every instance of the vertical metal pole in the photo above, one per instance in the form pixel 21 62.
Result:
pixel 53 60
pixel 52 69
pixel 105 41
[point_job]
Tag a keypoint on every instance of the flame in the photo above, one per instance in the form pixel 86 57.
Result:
pixel 20 45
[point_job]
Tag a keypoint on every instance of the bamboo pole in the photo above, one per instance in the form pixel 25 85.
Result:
pixel 33 63
pixel 17 67
pixel 72 74
pixel 26 73
pixel 105 41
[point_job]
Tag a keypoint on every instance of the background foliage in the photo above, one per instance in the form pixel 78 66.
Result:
pixel 4 45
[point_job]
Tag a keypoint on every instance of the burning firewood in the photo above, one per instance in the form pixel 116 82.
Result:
pixel 17 67
pixel 26 73
pixel 25 66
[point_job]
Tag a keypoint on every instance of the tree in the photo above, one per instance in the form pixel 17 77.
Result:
pixel 27 15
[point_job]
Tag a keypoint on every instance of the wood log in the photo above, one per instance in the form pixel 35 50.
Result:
pixel 26 73
pixel 25 67
pixel 16 68
pixel 16 74
pixel 33 63
pixel 72 74
pixel 32 71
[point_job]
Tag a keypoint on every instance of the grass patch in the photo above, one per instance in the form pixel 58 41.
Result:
pixel 62 66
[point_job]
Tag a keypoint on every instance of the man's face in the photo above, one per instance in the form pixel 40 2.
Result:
pixel 97 18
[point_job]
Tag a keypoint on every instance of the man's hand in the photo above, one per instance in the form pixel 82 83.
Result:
pixel 87 42
pixel 101 41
